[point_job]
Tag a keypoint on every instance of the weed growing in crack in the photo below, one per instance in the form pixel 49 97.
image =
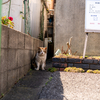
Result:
pixel 48 80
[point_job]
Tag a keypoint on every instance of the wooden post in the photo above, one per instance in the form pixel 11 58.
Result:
pixel 85 45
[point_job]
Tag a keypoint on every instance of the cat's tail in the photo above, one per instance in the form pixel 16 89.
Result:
pixel 33 63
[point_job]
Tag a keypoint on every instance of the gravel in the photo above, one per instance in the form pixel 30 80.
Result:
pixel 72 86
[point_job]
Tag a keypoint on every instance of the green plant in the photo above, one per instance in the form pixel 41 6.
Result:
pixel 19 78
pixel 93 71
pixel 7 21
pixel 53 69
pixel 96 71
pixel 2 95
pixel 86 56
pixel 30 70
pixel 81 57
pixel 89 71
pixel 48 80
pixel 74 69
pixel 22 14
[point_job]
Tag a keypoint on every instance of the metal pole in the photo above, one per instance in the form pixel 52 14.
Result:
pixel 0 28
pixel 9 8
pixel 85 45
pixel 24 16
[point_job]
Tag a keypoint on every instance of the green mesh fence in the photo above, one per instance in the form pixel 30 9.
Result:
pixel 0 26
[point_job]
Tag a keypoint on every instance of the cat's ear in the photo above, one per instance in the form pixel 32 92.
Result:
pixel 45 48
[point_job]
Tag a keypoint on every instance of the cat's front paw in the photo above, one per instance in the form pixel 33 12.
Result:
pixel 43 69
pixel 36 69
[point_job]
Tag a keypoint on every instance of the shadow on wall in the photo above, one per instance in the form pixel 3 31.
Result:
pixel 53 89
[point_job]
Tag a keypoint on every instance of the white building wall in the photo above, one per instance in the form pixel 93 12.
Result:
pixel 35 6
pixel 35 10
pixel 16 7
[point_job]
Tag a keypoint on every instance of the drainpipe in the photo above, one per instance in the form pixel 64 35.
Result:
pixel 0 28
pixel 9 8
pixel 29 18
pixel 25 16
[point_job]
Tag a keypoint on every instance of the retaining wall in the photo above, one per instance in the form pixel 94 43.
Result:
pixel 17 50
pixel 86 64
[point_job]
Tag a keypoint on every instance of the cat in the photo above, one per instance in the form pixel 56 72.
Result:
pixel 40 58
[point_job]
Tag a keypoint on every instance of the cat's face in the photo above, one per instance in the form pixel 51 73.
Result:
pixel 42 51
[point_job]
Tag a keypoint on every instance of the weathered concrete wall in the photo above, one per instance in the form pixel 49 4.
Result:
pixel 17 49
pixel 35 13
pixel 70 21
pixel 35 17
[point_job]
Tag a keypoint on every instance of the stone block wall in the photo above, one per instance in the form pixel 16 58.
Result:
pixel 86 64
pixel 17 50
